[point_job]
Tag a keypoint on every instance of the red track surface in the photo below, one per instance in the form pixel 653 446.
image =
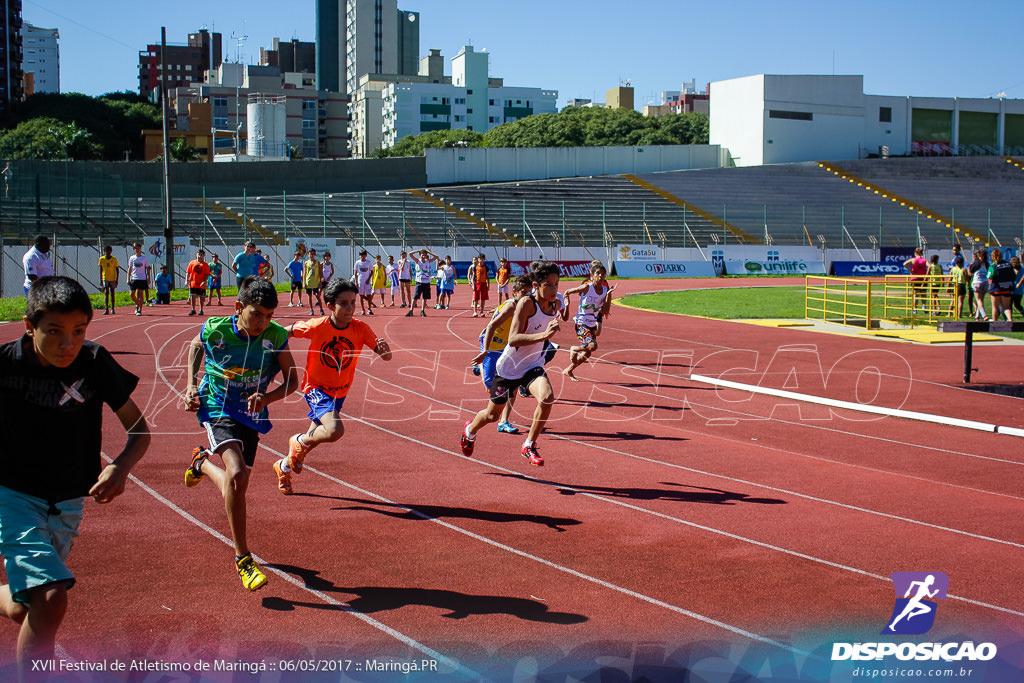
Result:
pixel 673 525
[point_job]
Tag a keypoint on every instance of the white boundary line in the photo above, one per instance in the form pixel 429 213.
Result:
pixel 342 607
pixel 860 407
pixel 535 558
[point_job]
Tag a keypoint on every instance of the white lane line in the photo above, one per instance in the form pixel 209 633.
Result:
pixel 859 407
pixel 535 558
pixel 745 482
pixel 401 637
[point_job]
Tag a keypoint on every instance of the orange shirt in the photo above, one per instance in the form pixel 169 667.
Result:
pixel 331 359
pixel 481 276
pixel 503 274
pixel 198 271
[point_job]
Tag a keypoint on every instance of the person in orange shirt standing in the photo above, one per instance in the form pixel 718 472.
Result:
pixel 198 271
pixel 481 283
pixel 335 342
pixel 503 277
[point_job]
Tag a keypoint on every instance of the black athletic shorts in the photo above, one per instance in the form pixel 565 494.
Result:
pixel 501 388
pixel 222 430
pixel 422 291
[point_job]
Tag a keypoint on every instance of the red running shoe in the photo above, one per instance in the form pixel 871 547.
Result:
pixel 467 445
pixel 531 454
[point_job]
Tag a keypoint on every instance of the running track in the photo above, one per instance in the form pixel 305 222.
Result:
pixel 675 526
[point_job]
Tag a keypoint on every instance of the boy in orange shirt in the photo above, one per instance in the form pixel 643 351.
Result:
pixel 504 274
pixel 198 271
pixel 335 343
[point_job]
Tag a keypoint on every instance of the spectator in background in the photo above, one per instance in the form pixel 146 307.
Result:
pixel 959 277
pixel 197 272
pixel 327 268
pixel 312 274
pixel 1001 279
pixel 918 267
pixel 139 272
pixel 266 271
pixel 294 269
pixel 934 281
pixel 216 270
pixel 247 262
pixel 108 278
pixel 163 286
pixel 978 270
pixel 1018 285
pixel 391 271
pixel 405 279
pixel 37 261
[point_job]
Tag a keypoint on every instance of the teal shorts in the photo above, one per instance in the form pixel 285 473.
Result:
pixel 34 543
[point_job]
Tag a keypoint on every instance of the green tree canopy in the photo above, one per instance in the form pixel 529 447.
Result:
pixel 413 145
pixel 573 127
pixel 48 138
pixel 115 121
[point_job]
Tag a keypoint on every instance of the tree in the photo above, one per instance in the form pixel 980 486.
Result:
pixel 596 126
pixel 48 138
pixel 182 151
pixel 414 145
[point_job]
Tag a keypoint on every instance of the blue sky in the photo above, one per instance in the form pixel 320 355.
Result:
pixel 581 48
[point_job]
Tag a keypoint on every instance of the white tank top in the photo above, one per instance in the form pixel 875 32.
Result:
pixel 590 305
pixel 515 361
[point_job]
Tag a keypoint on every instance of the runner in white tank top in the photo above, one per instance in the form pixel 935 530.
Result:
pixel 522 361
pixel 593 294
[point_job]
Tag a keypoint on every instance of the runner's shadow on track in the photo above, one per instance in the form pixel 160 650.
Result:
pixel 372 599
pixel 618 404
pixel 617 436
pixel 429 512
pixel 695 494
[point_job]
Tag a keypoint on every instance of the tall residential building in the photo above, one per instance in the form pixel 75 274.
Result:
pixel 295 56
pixel 41 58
pixel 388 108
pixel 358 37
pixel 186 64
pixel 10 55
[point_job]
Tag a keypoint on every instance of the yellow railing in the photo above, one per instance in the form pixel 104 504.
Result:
pixel 839 299
pixel 918 299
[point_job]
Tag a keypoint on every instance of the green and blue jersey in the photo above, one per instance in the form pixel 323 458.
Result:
pixel 237 366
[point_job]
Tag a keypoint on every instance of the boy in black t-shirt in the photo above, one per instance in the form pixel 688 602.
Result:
pixel 53 384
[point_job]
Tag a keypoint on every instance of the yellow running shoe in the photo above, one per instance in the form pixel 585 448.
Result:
pixel 249 572
pixel 284 479
pixel 296 453
pixel 194 473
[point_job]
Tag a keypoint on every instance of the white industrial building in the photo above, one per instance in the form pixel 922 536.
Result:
pixel 769 119
pixel 386 109
pixel 41 58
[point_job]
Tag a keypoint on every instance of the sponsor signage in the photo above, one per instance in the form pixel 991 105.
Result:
pixel 792 267
pixel 897 255
pixel 866 269
pixel 322 246
pixel 568 268
pixel 155 248
pixel 637 252
pixel 664 269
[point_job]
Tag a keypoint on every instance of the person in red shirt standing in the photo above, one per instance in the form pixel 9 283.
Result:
pixel 918 267
pixel 197 273
pixel 335 342
pixel 481 283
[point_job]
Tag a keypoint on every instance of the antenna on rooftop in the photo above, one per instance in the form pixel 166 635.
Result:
pixel 239 42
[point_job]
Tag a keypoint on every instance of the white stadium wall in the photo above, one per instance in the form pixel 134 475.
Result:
pixel 481 164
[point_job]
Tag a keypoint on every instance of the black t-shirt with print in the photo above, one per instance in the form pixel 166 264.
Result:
pixel 53 418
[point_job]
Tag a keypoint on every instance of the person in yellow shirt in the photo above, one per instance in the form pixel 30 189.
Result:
pixel 108 278
pixel 312 274
pixel 378 281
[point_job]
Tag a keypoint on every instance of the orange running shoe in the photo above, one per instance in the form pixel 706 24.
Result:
pixel 284 479
pixel 296 453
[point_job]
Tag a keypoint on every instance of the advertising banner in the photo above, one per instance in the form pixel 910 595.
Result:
pixel 156 249
pixel 637 252
pixel 793 267
pixel 866 269
pixel 897 255
pixel 569 268
pixel 321 244
pixel 664 269
pixel 761 253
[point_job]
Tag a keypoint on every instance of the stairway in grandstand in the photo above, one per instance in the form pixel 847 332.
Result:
pixel 909 204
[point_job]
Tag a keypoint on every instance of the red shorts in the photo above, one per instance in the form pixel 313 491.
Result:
pixel 480 292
